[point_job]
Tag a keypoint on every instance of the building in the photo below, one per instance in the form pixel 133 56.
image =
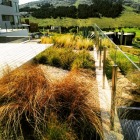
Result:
pixel 10 26
pixel 9 14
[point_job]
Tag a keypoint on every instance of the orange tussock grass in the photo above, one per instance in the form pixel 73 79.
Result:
pixel 22 94
pixel 28 98
pixel 78 104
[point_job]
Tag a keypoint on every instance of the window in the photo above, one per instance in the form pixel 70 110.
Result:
pixel 8 18
pixel 7 2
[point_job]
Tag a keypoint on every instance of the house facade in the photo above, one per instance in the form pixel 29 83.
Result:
pixel 9 14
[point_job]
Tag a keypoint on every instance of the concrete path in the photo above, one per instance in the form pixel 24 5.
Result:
pixel 105 104
pixel 14 55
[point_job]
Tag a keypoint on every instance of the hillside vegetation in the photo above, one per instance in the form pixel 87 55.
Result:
pixel 96 9
pixel 56 3
pixel 127 19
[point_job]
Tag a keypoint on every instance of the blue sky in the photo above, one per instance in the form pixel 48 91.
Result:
pixel 25 1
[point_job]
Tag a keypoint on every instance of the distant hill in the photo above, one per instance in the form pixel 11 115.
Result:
pixel 56 3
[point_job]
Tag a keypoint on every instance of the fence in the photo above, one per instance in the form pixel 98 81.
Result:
pixel 125 75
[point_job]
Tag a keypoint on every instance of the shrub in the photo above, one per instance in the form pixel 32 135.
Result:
pixel 73 30
pixel 137 38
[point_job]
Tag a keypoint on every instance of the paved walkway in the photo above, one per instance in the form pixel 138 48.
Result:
pixel 14 55
pixel 105 104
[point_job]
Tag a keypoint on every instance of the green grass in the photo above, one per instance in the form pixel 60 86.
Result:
pixel 123 63
pixel 133 51
pixel 131 30
pixel 134 58
pixel 127 19
pixel 58 131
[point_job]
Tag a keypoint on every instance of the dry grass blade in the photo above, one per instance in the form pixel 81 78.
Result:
pixel 28 99
pixel 22 95
pixel 73 98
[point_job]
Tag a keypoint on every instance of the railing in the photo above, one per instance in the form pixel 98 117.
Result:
pixel 123 71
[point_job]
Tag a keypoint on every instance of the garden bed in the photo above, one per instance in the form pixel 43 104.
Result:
pixel 62 105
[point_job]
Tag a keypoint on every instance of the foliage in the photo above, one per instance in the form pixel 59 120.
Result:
pixel 106 8
pixel 134 77
pixel 130 30
pixel 69 41
pixel 73 104
pixel 60 11
pixel 138 39
pixel 107 43
pixel 126 19
pixel 123 63
pixel 21 101
pixel 65 58
pixel 59 57
pixel 57 130
pixel 29 101
pixel 134 58
pixel 33 27
pixel 46 40
pixel 134 51
pixel 108 68
pixel 83 60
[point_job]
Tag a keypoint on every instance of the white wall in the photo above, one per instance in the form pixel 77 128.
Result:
pixel 8 10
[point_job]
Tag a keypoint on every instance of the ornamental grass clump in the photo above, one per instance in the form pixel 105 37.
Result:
pixel 58 57
pixel 84 43
pixel 32 107
pixel 47 40
pixel 83 60
pixel 66 40
pixel 22 97
pixel 107 42
pixel 73 105
pixel 65 58
pixel 69 41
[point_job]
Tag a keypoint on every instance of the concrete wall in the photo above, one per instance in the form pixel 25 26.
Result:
pixel 9 10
